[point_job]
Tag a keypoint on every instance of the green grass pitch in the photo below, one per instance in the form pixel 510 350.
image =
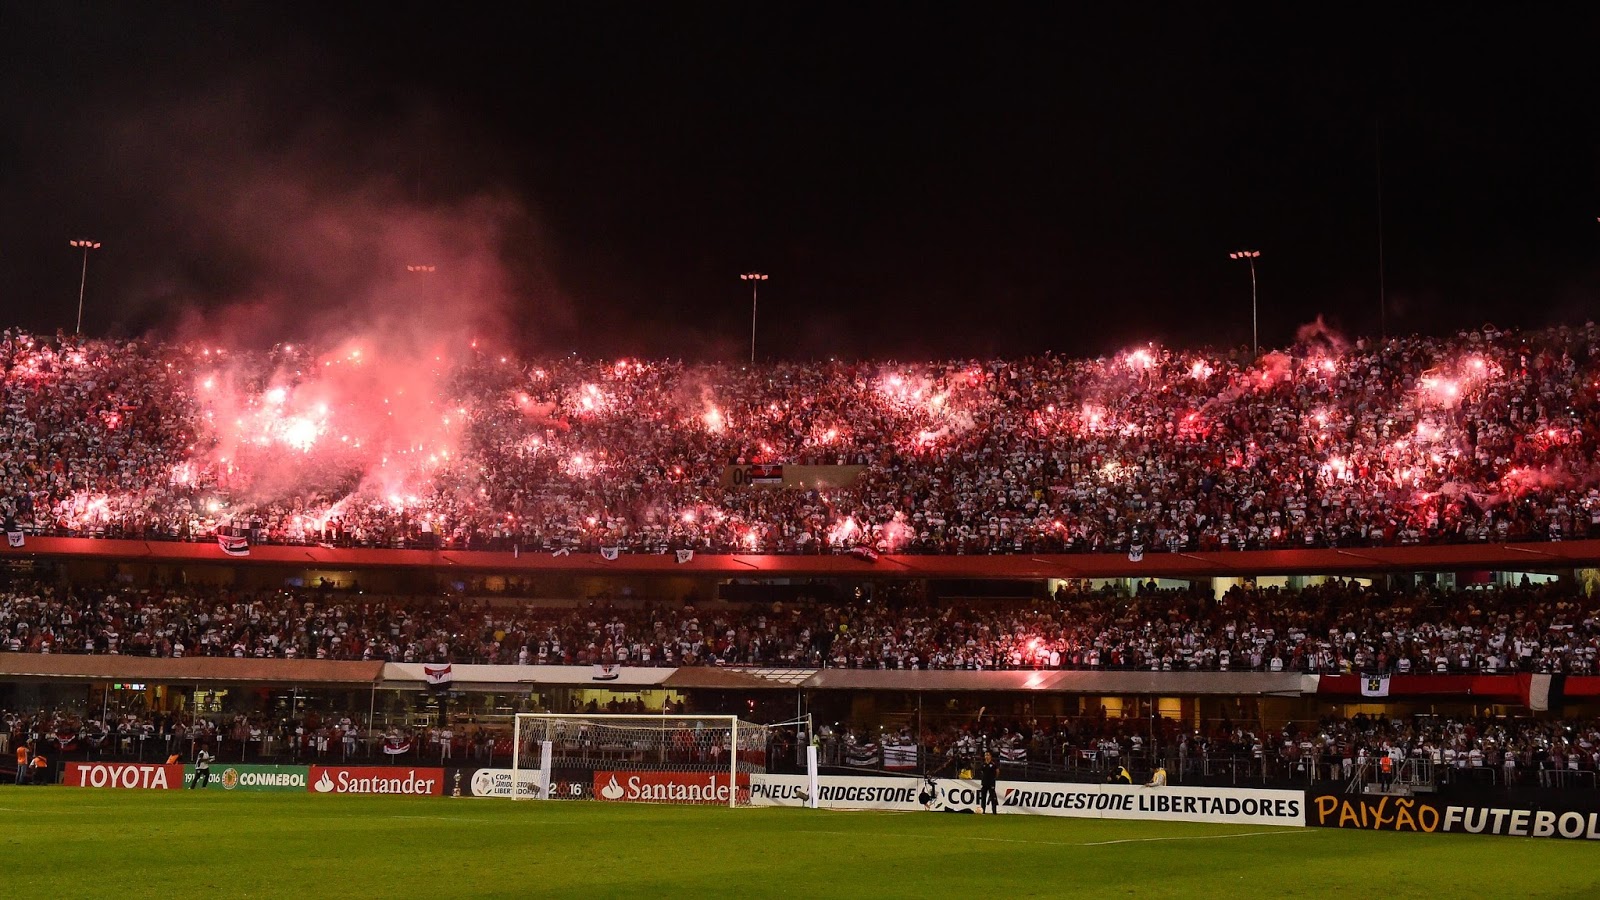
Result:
pixel 66 842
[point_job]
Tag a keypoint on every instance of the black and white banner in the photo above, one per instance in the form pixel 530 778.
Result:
pixel 439 676
pixel 866 756
pixel 900 757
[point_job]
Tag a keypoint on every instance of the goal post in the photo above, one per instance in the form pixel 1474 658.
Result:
pixel 701 759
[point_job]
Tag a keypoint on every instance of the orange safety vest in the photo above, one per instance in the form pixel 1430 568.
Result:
pixel 1386 764
pixel 22 755
pixel 39 763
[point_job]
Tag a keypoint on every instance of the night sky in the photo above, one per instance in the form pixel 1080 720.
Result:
pixel 917 180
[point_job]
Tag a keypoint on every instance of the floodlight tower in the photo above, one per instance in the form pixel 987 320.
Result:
pixel 83 277
pixel 755 279
pixel 1250 256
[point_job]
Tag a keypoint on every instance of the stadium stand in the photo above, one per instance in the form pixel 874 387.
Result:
pixel 1486 436
pixel 1339 627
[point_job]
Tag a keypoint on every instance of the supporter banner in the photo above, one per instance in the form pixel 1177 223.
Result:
pixel 1580 686
pixel 1539 692
pixel 900 757
pixel 1428 815
pixel 1374 685
pixel 1091 801
pixel 376 780
pixel 765 473
pixel 1507 688
pixel 254 778
pixel 864 755
pixel 124 775
pixel 495 782
pixel 439 677
pixel 813 477
pixel 665 787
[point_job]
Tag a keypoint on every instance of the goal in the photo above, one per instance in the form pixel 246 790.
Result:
pixel 639 758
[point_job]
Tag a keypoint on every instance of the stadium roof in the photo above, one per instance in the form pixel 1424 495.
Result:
pixel 1288 684
pixel 1443 557
pixel 514 678
pixel 714 678
pixel 199 669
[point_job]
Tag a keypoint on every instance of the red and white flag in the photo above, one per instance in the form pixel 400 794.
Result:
pixel 438 676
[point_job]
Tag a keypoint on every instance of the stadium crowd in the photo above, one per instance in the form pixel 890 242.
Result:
pixel 1335 627
pixel 1484 435
pixel 1334 748
pixel 1509 747
pixel 307 736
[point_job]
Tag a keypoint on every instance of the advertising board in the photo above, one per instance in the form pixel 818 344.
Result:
pixel 1095 801
pixel 376 780
pixel 250 778
pixel 490 782
pixel 1548 817
pixel 664 787
pixel 144 776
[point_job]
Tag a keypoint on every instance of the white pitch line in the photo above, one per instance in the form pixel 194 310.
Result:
pixel 1194 837
pixel 998 840
pixel 925 836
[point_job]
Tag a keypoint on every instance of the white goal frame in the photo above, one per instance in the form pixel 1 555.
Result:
pixel 732 722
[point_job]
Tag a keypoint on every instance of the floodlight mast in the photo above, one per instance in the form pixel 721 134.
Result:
pixel 83 277
pixel 1250 256
pixel 755 279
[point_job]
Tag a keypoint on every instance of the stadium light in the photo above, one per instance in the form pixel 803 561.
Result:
pixel 83 277
pixel 755 279
pixel 422 269
pixel 1250 256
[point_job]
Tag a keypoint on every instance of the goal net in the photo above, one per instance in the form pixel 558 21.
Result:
pixel 641 759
